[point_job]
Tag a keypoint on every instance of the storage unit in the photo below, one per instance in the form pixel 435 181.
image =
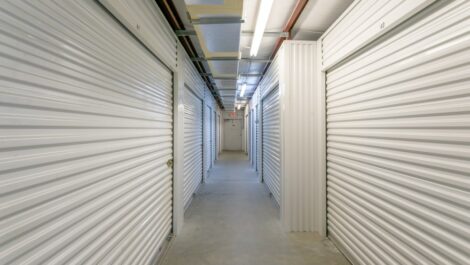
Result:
pixel 208 131
pixel 192 144
pixel 193 97
pixel 144 20
pixel 207 138
pixel 213 136
pixel 398 142
pixel 219 134
pixel 289 136
pixel 271 143
pixel 363 21
pixel 86 149
pixel 258 141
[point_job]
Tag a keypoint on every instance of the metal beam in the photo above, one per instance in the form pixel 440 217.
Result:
pixel 182 33
pixel 280 34
pixel 219 77
pixel 225 78
pixel 251 74
pixel 202 59
pixel 254 60
pixel 217 20
pixel 206 74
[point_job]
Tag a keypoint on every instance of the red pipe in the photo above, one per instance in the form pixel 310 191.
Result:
pixel 294 16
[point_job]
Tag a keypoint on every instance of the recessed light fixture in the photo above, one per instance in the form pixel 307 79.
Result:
pixel 261 21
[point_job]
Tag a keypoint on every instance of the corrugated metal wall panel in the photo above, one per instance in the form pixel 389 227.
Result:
pixel 145 20
pixel 193 130
pixel 272 143
pixel 192 144
pixel 207 138
pixel 213 125
pixel 259 149
pixel 300 206
pixel 192 78
pixel 86 128
pixel 398 118
pixel 361 23
pixel 270 79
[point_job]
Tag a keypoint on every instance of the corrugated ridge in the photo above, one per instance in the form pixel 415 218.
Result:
pixel 86 137
pixel 398 158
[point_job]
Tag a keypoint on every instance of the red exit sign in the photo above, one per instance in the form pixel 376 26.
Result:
pixel 233 114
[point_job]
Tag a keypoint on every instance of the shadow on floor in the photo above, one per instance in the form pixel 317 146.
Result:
pixel 233 221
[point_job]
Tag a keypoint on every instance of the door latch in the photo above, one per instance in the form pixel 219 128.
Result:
pixel 169 163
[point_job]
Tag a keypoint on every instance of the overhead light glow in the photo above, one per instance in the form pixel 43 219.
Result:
pixel 239 106
pixel 243 89
pixel 261 21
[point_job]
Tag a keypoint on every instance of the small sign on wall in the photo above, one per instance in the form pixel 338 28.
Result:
pixel 233 114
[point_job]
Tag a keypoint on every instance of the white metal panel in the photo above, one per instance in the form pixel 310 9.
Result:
pixel 192 78
pixel 300 186
pixel 213 136
pixel 86 129
pixel 253 138
pixel 270 79
pixel 218 135
pixel 207 138
pixel 362 22
pixel 258 142
pixel 272 143
pixel 398 140
pixel 145 20
pixel 192 144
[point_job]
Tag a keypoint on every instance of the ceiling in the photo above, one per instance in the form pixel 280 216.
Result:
pixel 224 31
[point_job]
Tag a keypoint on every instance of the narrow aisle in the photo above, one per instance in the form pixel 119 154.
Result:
pixel 233 221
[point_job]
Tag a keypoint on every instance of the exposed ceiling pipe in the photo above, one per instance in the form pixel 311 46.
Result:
pixel 169 11
pixel 294 16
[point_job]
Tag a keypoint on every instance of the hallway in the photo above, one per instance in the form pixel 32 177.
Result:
pixel 233 221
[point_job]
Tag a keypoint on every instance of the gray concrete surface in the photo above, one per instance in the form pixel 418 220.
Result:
pixel 233 221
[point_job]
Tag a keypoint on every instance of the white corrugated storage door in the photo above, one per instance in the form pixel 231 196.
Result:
pixel 398 118
pixel 86 128
pixel 207 138
pixel 272 143
pixel 192 144
pixel 258 139
pixel 214 122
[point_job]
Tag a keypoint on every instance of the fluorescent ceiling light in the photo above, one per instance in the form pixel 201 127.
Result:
pixel 239 106
pixel 261 21
pixel 243 89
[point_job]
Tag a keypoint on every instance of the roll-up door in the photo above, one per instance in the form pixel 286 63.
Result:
pixel 192 144
pixel 86 128
pixel 207 138
pixel 214 133
pixel 254 142
pixel 272 143
pixel 398 143
pixel 258 139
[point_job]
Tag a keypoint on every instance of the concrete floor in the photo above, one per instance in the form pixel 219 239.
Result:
pixel 233 221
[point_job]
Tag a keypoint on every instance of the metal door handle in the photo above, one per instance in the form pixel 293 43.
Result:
pixel 169 163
